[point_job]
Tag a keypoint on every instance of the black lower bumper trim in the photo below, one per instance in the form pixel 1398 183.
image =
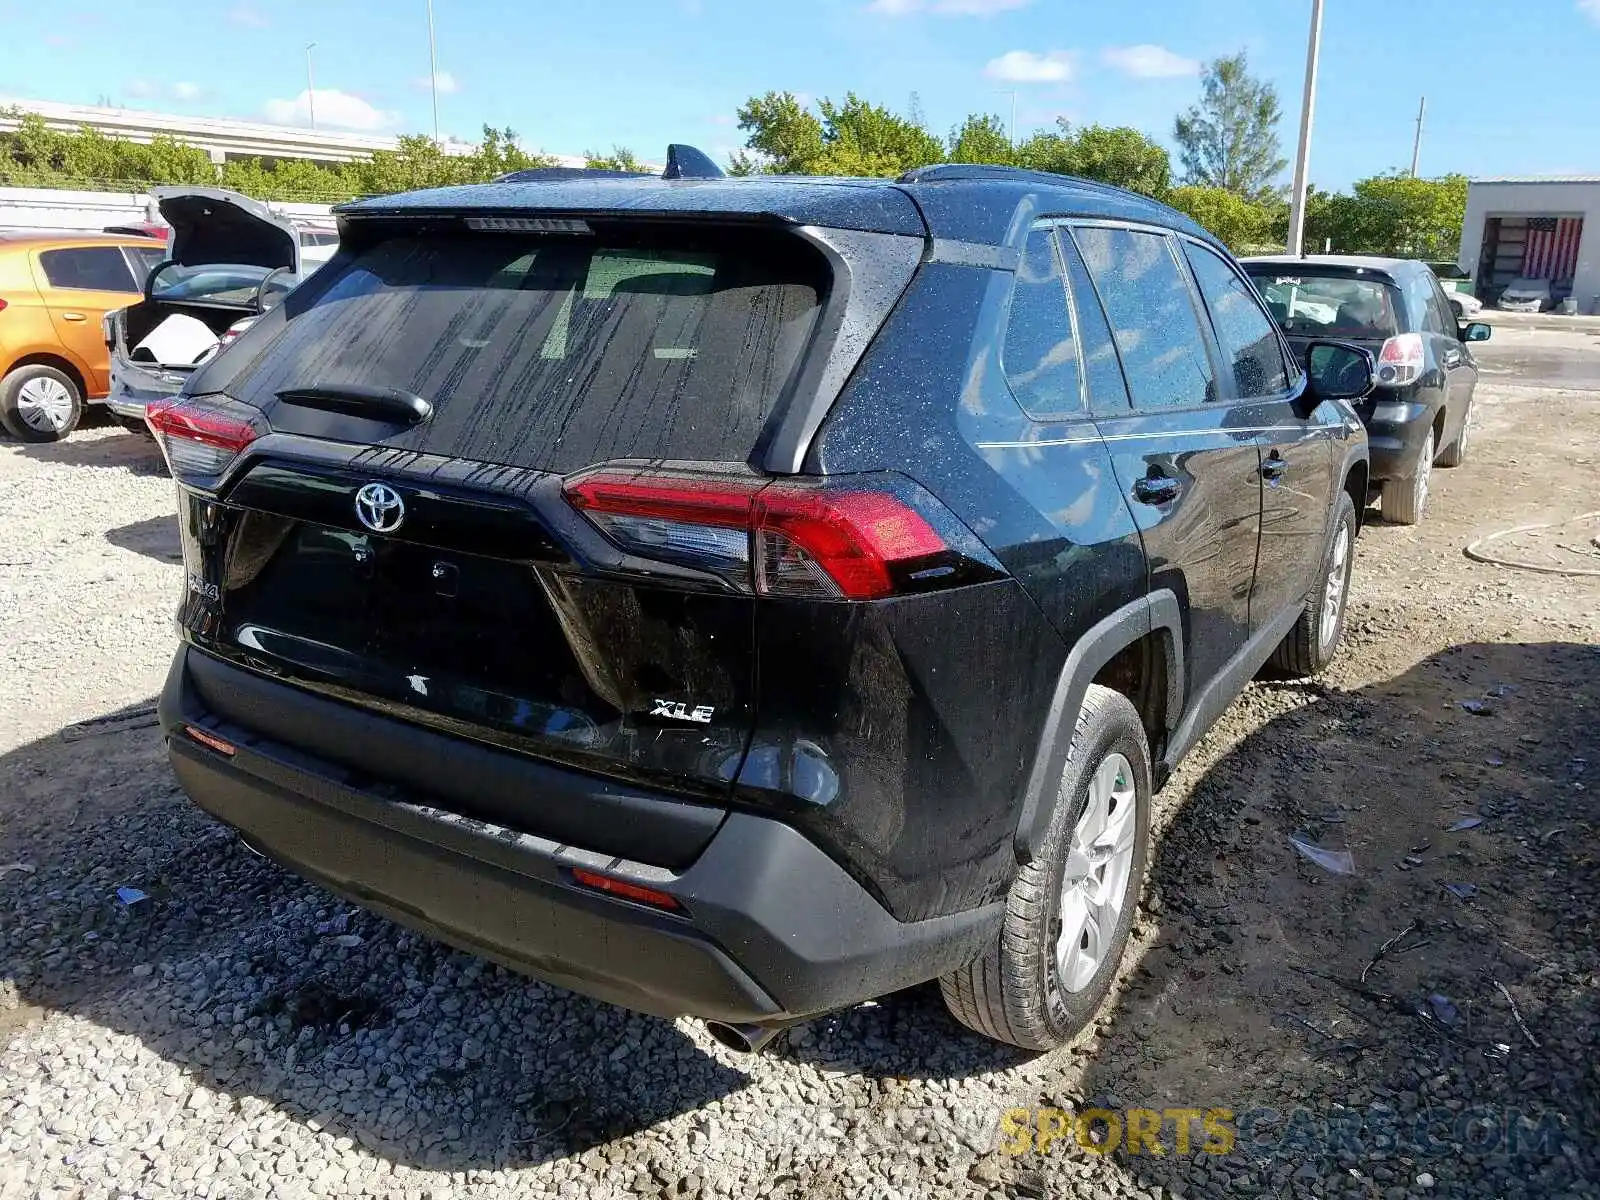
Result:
pixel 770 929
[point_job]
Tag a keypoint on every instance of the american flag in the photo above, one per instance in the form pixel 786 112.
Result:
pixel 1552 249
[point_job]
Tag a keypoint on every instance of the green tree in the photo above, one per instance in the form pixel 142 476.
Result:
pixel 981 139
pixel 1240 224
pixel 782 136
pixel 1110 154
pixel 851 137
pixel 1230 139
pixel 620 159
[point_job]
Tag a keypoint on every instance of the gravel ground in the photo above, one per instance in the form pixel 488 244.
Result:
pixel 239 1033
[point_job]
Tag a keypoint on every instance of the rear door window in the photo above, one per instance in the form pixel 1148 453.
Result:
pixel 555 352
pixel 143 260
pixel 1152 314
pixel 1041 353
pixel 88 268
pixel 1248 339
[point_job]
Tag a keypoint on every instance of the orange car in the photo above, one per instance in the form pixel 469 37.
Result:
pixel 54 290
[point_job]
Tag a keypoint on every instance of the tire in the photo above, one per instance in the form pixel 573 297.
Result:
pixel 1314 640
pixel 1456 452
pixel 1404 499
pixel 39 403
pixel 1020 991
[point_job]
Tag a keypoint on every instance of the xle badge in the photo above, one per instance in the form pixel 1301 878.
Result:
pixel 679 711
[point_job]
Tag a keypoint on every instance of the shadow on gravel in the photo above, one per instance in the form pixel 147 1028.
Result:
pixel 154 537
pixel 265 988
pixel 122 450
pixel 1352 1023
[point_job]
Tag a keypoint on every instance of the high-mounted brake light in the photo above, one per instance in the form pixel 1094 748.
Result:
pixel 1401 360
pixel 824 539
pixel 201 435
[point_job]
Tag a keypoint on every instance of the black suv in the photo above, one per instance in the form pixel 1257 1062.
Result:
pixel 746 597
pixel 1421 412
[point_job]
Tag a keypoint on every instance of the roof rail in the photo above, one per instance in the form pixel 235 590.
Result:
pixel 685 162
pixel 943 172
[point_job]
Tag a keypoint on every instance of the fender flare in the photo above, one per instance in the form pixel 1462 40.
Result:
pixel 1156 612
pixel 1353 456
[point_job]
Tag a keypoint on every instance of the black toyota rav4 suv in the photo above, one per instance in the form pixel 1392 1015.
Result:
pixel 745 597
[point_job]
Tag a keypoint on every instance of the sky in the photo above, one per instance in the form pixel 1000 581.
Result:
pixel 1505 83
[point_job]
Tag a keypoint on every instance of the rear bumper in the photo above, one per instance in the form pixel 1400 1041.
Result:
pixel 770 928
pixel 133 388
pixel 1396 445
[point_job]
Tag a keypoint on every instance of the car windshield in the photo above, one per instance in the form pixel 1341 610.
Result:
pixel 216 283
pixel 1328 305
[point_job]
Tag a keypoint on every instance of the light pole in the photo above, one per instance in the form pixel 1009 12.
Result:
pixel 1416 145
pixel 311 86
pixel 433 73
pixel 1297 206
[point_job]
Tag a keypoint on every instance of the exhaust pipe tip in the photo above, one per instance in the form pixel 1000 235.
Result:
pixel 746 1039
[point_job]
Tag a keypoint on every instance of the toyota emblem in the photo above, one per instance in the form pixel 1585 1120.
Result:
pixel 380 508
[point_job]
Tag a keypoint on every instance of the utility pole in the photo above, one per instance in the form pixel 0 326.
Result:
pixel 1416 146
pixel 311 86
pixel 1302 158
pixel 433 73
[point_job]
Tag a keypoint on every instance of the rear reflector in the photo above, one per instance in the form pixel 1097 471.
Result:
pixel 855 538
pixel 201 435
pixel 210 740
pixel 624 889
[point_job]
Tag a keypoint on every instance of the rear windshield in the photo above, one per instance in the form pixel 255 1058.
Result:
pixel 555 352
pixel 1328 305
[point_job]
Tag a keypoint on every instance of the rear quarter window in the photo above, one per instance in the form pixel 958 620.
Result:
pixel 555 353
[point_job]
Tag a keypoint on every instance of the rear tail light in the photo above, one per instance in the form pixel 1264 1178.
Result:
pixel 2 306
pixel 843 538
pixel 231 334
pixel 201 435
pixel 1401 360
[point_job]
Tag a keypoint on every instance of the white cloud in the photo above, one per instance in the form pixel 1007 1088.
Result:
pixel 139 89
pixel 1024 66
pixel 247 17
pixel 334 108
pixel 446 82
pixel 186 91
pixel 1591 7
pixel 947 8
pixel 1152 62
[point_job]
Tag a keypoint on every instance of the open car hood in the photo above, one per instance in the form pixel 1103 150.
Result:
pixel 210 225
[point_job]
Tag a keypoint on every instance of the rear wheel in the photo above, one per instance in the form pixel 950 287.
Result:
pixel 1314 640
pixel 1404 499
pixel 1456 452
pixel 1069 911
pixel 39 403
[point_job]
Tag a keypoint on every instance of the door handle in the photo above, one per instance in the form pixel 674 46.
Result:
pixel 1156 489
pixel 1274 469
pixel 67 316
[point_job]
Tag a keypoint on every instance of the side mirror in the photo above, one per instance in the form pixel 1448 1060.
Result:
pixel 1339 371
pixel 1477 331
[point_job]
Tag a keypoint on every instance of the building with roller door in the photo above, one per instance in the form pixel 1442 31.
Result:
pixel 1538 227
